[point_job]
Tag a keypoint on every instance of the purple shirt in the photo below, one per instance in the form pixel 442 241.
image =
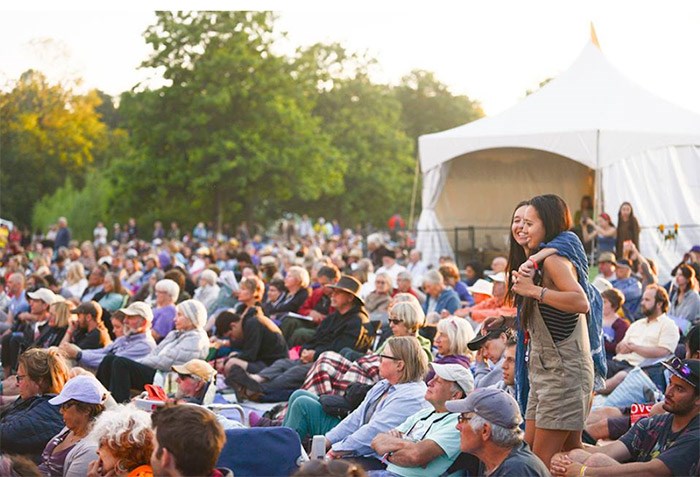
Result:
pixel 164 319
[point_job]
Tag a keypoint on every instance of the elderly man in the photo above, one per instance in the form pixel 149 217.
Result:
pixel 665 444
pixel 136 343
pixel 390 266
pixel 427 442
pixel 489 426
pixel 193 380
pixel 606 266
pixel 439 296
pixel 417 267
pixel 18 301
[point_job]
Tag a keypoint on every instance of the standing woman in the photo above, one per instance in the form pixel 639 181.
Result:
pixel 627 229
pixel 553 315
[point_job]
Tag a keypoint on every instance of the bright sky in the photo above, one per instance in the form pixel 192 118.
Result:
pixel 493 51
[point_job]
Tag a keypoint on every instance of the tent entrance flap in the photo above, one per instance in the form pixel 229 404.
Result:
pixel 484 187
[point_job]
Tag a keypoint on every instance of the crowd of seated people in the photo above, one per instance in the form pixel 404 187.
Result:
pixel 398 369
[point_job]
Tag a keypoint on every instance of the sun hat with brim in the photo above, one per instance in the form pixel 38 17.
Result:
pixel 480 340
pixel 45 295
pixel 688 370
pixel 495 405
pixel 195 367
pixel 350 285
pixel 607 257
pixel 139 308
pixel 85 389
pixel 482 286
pixel 623 262
pixel 498 277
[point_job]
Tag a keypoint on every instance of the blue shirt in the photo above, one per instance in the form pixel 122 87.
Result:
pixel 133 347
pixel 18 304
pixel 402 400
pixel 632 289
pixel 448 300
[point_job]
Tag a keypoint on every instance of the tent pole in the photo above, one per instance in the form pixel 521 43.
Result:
pixel 413 194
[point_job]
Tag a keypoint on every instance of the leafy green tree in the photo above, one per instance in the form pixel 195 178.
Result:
pixel 428 106
pixel 233 135
pixel 47 134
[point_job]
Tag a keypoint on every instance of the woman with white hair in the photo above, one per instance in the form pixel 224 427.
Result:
pixel 208 289
pixel 125 441
pixel 187 341
pixel 453 336
pixel 297 283
pixel 76 283
pixel 164 312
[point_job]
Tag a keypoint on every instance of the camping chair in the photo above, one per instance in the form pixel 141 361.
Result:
pixel 269 451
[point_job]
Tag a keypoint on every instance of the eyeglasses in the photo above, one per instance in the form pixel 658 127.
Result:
pixel 462 418
pixel 182 377
pixel 395 321
pixel 20 377
pixel 384 356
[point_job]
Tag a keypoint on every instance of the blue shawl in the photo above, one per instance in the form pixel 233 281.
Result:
pixel 568 245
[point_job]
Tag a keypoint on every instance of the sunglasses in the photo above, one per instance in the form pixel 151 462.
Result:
pixel 683 370
pixel 384 356
pixel 395 321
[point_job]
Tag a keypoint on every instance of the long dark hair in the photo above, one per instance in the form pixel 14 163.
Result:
pixel 516 255
pixel 556 218
pixel 626 230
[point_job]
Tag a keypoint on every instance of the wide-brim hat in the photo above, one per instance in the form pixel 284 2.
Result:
pixel 482 286
pixel 350 285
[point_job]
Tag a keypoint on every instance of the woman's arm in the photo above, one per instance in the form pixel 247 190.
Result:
pixel 564 292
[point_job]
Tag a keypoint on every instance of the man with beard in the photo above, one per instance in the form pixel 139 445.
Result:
pixel 87 331
pixel 666 444
pixel 193 380
pixel 136 343
pixel 653 337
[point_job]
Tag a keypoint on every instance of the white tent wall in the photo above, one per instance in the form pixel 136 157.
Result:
pixel 663 186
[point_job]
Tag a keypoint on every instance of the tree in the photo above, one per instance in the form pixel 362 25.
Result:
pixel 428 106
pixel 233 135
pixel 47 134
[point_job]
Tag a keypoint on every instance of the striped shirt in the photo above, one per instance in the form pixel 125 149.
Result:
pixel 559 323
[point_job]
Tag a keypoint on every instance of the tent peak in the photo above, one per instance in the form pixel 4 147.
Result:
pixel 594 37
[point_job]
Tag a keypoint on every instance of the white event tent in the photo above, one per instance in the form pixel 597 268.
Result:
pixel 591 131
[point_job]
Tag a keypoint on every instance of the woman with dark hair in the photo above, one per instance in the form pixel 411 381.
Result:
pixel 627 229
pixel 614 327
pixel 685 301
pixel 553 314
pixel 473 270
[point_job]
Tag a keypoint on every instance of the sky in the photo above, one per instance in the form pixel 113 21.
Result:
pixel 492 51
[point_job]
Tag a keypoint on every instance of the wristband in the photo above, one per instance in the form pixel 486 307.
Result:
pixel 534 264
pixel 582 472
pixel 542 292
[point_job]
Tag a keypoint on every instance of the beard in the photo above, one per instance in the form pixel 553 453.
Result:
pixel 648 311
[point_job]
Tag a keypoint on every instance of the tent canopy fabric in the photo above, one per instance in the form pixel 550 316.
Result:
pixel 590 131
